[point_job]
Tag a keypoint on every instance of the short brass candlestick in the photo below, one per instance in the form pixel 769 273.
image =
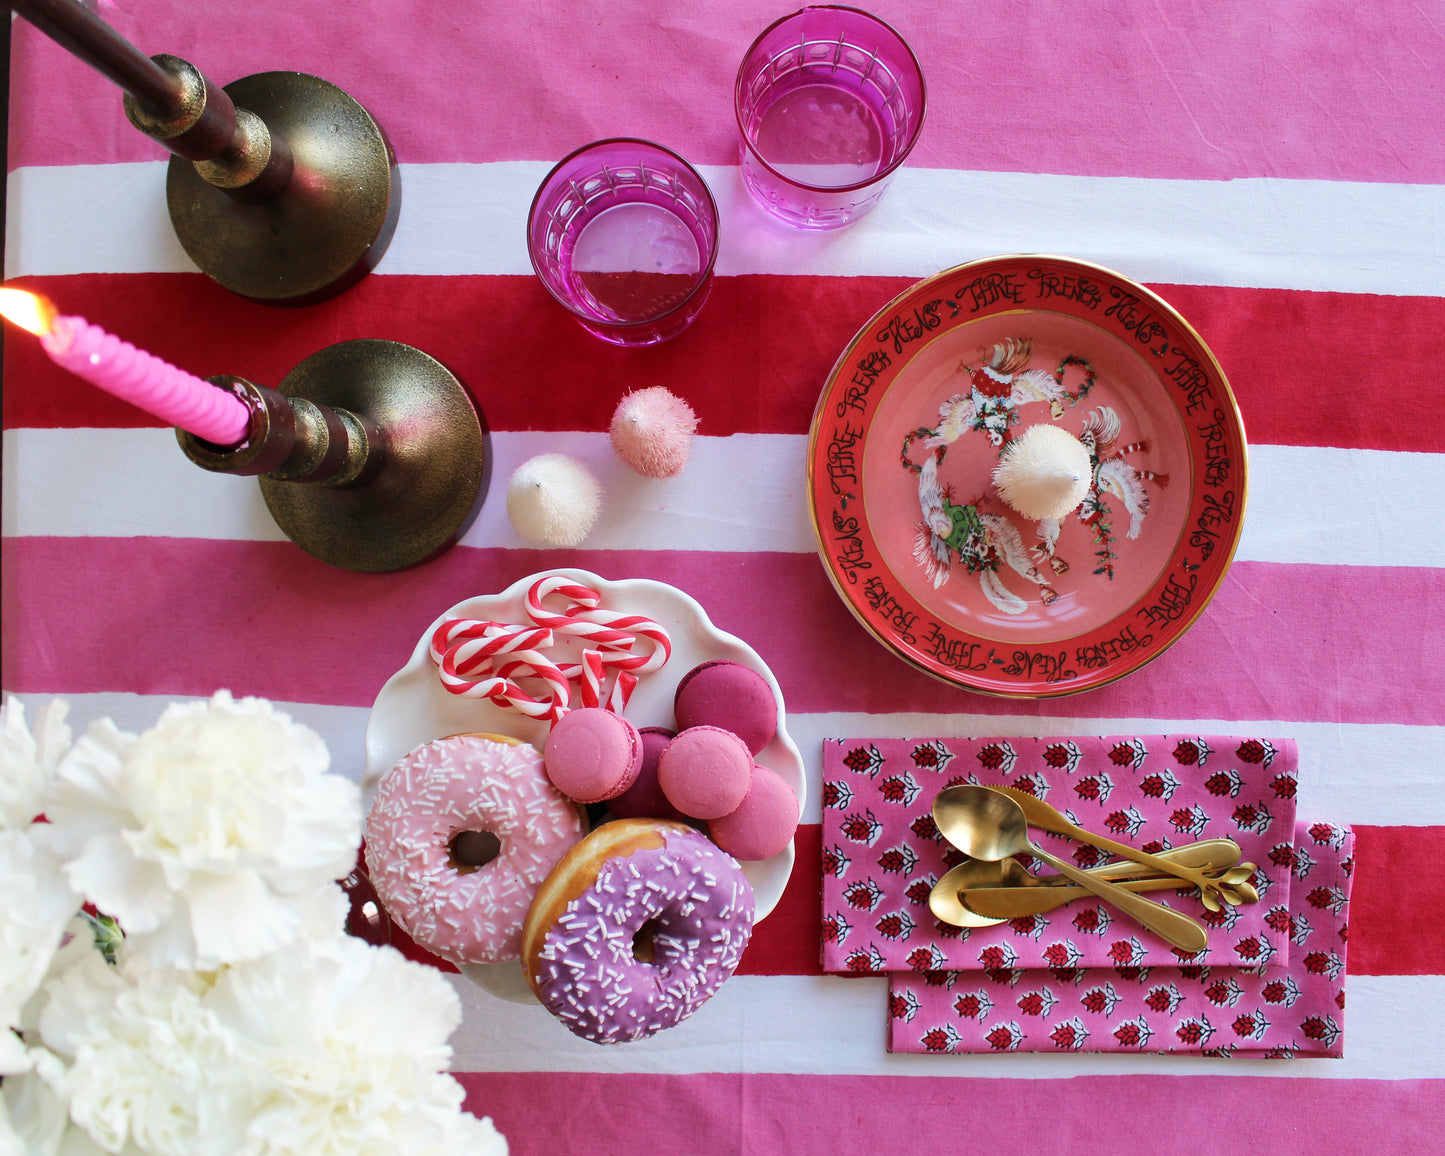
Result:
pixel 283 189
pixel 371 455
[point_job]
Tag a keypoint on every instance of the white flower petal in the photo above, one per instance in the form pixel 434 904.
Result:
pixel 88 797
pixel 119 884
pixel 36 907
pixel 237 917
pixel 76 997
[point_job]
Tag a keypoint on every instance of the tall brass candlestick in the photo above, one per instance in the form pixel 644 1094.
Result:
pixel 264 201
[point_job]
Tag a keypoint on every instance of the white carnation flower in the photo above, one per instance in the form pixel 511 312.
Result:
pixel 35 1116
pixel 352 1040
pixel 34 911
pixel 152 1066
pixel 208 836
pixel 28 760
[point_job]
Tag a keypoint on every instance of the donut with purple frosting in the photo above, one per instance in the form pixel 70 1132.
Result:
pixel 636 928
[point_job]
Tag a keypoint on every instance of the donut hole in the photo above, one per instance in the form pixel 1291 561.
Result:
pixel 469 850
pixel 644 947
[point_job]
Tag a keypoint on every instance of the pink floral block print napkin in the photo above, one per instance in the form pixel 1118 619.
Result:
pixel 1275 1012
pixel 882 854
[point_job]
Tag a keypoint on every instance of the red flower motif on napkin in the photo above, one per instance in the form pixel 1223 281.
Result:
pixel 901 789
pixel 903 1006
pixel 899 860
pixel 934 755
pixel 1070 1035
pixel 864 828
pixel 1284 786
pixel 864 895
pixel 1258 752
pixel 1195 1031
pixel 1160 785
pixel 1005 1037
pixel 997 757
pixel 1191 752
pixel 1128 754
pixel 898 925
pixel 864 761
pixel 973 1005
pixel 1224 784
pixel 1063 756
pixel 942 1039
pixel 919 891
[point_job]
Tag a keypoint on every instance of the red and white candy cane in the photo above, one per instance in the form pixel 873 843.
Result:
pixel 471 643
pixel 501 685
pixel 608 630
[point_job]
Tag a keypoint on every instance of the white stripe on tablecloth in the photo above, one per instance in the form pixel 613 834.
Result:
pixel 1366 773
pixel 765 510
pixel 470 219
pixel 829 1025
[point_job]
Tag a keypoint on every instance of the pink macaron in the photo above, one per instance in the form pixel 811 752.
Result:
pixel 763 823
pixel 731 696
pixel 705 772
pixel 592 754
pixel 644 799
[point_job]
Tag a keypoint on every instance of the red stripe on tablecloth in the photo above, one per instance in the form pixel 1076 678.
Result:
pixel 262 618
pixel 786 942
pixel 1307 99
pixel 1397 922
pixel 1282 349
pixel 957 1110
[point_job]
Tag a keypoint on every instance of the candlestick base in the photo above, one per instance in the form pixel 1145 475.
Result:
pixel 331 224
pixel 384 469
pixel 437 460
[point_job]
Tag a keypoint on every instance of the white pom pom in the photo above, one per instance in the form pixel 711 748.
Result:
pixel 652 431
pixel 554 499
pixel 1045 473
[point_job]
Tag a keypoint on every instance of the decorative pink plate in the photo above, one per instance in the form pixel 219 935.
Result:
pixel 915 416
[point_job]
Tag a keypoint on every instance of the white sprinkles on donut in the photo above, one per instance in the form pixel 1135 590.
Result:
pixel 440 790
pixel 699 907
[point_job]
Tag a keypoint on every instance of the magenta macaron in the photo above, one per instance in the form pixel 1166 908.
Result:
pixel 592 754
pixel 705 772
pixel 731 696
pixel 644 799
pixel 763 823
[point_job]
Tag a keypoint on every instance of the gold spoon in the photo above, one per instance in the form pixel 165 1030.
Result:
pixel 1046 818
pixel 1036 894
pixel 987 824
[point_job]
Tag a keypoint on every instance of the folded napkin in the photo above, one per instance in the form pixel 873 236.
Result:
pixel 1275 1011
pixel 882 854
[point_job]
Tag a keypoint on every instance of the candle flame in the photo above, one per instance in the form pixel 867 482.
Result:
pixel 28 310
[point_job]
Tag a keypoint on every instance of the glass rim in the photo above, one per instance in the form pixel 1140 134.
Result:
pixel 704 274
pixel 881 174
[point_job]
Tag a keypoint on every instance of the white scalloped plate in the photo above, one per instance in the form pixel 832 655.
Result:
pixel 412 708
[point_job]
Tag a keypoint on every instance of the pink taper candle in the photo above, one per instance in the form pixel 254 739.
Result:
pixel 131 374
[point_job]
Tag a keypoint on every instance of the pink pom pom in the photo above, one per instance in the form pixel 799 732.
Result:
pixel 652 431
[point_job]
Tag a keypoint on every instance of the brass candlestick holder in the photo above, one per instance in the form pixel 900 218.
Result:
pixel 370 454
pixel 283 189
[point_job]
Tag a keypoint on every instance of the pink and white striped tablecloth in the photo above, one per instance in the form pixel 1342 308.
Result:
pixel 1274 170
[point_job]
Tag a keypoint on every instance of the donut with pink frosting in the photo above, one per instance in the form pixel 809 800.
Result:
pixel 459 838
pixel 638 926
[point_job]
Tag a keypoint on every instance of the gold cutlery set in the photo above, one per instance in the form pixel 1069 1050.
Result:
pixel 991 825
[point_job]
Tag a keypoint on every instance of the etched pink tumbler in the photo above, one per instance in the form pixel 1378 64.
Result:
pixel 829 103
pixel 624 233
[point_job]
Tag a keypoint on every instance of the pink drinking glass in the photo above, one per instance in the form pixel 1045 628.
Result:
pixel 624 233
pixel 829 102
